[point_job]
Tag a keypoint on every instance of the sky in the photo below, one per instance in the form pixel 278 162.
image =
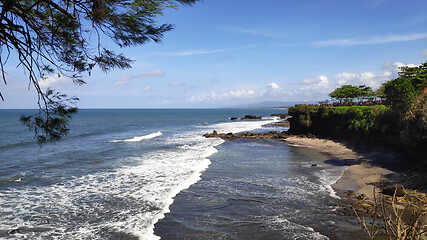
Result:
pixel 224 53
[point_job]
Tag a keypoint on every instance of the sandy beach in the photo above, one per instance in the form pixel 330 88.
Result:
pixel 361 174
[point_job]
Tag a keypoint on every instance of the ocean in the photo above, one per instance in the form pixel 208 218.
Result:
pixel 150 174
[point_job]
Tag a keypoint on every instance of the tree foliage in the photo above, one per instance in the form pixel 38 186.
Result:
pixel 349 93
pixel 402 92
pixel 65 36
pixel 51 126
pixel 407 95
pixel 326 120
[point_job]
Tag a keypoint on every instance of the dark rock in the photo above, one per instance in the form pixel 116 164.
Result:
pixel 391 190
pixel 14 231
pixel 314 165
pixel 248 135
pixel 284 123
pixel 233 118
pixel 250 117
pixel 281 115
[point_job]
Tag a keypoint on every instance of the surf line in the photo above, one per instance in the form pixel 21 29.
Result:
pixel 140 138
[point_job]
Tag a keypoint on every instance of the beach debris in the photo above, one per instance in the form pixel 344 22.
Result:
pixel 361 196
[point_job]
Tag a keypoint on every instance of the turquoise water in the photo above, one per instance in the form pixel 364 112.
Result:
pixel 120 172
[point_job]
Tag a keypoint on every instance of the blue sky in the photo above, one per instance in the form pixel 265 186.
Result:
pixel 233 52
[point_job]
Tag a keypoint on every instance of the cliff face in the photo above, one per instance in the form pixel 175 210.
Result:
pixel 363 120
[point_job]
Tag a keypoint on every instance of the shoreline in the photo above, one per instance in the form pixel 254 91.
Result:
pixel 361 174
pixel 367 166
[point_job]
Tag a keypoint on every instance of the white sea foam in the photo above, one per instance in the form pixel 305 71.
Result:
pixel 133 197
pixel 299 231
pixel 140 138
pixel 330 176
pixel 327 176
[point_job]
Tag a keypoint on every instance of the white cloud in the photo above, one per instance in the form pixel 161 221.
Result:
pixel 155 73
pixel 273 85
pixel 320 84
pixel 147 89
pixel 393 68
pixel 366 78
pixel 245 92
pixel 319 87
pixel 371 40
pixel 312 89
pixel 255 31
pixel 218 97
pixel 122 81
pixel 177 84
pixel 55 81
pixel 201 51
pixel 127 79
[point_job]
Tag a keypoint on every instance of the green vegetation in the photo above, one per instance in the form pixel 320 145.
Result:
pixel 407 97
pixel 404 114
pixel 323 120
pixel 348 93
pixel 66 37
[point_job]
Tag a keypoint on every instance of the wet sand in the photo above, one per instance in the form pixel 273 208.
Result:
pixel 361 174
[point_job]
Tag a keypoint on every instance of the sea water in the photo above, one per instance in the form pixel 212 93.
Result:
pixel 150 174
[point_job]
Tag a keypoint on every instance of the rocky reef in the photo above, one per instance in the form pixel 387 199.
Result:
pixel 247 135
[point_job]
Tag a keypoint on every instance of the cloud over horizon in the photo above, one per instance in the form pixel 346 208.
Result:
pixel 126 79
pixel 313 88
pixel 371 40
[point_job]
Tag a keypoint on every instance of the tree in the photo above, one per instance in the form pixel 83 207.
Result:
pixel 365 92
pixel 417 76
pixel 66 36
pixel 346 92
pixel 407 96
pixel 399 94
pixel 349 92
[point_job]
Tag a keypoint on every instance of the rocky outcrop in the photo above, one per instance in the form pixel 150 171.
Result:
pixel 281 115
pixel 247 135
pixel 284 123
pixel 251 117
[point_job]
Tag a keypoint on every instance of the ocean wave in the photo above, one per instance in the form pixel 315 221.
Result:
pixel 135 197
pixel 330 176
pixel 140 138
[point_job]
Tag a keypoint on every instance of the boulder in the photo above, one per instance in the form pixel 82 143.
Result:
pixel 391 190
pixel 250 117
pixel 233 118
